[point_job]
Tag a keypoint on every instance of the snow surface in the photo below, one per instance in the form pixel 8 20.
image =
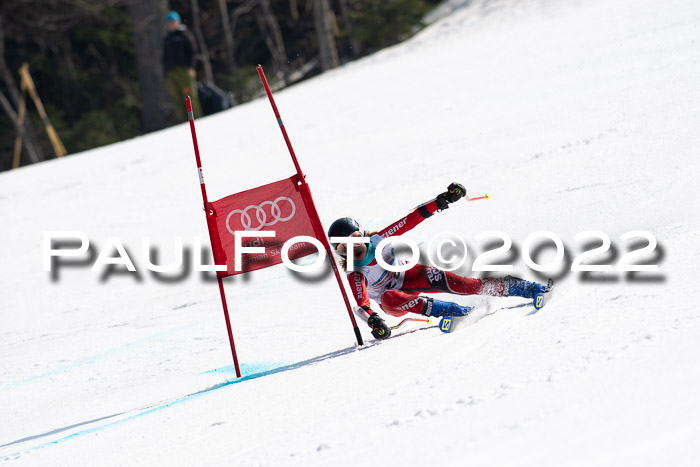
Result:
pixel 574 116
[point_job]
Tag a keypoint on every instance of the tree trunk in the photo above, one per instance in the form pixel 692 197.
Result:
pixel 27 143
pixel 327 50
pixel 30 140
pixel 239 11
pixel 294 9
pixel 203 50
pixel 148 32
pixel 355 45
pixel 274 39
pixel 228 36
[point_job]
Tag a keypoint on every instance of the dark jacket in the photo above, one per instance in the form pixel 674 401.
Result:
pixel 179 50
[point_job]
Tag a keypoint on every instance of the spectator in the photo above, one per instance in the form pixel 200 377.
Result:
pixel 179 60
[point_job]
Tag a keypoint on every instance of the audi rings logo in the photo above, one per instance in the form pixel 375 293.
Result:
pixel 261 215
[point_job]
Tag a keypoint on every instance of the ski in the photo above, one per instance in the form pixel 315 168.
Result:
pixel 541 299
pixel 449 323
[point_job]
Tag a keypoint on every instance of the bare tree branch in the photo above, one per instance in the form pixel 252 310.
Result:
pixel 203 50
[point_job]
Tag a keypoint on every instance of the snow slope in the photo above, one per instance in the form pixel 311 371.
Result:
pixel 573 115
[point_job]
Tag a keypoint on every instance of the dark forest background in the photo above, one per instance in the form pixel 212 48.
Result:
pixel 97 63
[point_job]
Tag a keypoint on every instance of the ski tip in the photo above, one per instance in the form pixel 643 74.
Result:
pixel 539 301
pixel 445 324
pixel 542 298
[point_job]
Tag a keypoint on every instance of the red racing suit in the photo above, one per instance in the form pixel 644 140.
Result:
pixel 398 292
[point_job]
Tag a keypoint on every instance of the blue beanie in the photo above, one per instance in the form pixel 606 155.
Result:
pixel 173 16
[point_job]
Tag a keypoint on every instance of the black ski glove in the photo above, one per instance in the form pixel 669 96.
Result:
pixel 379 328
pixel 454 192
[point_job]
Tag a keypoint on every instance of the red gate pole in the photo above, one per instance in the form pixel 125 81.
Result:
pixel 190 116
pixel 310 206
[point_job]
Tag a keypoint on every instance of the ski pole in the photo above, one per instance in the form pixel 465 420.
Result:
pixel 421 320
pixel 486 196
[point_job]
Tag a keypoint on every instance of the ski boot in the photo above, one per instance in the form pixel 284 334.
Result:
pixel 439 308
pixel 379 328
pixel 516 287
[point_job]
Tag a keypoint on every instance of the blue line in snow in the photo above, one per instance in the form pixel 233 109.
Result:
pixel 247 368
pixel 189 397
pixel 196 395
pixel 145 412
pixel 92 358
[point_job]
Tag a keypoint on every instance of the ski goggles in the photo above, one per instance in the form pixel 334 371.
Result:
pixel 341 248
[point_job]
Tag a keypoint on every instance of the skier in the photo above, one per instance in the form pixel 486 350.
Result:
pixel 398 292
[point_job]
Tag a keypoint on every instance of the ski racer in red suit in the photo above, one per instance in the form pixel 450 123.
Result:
pixel 398 293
